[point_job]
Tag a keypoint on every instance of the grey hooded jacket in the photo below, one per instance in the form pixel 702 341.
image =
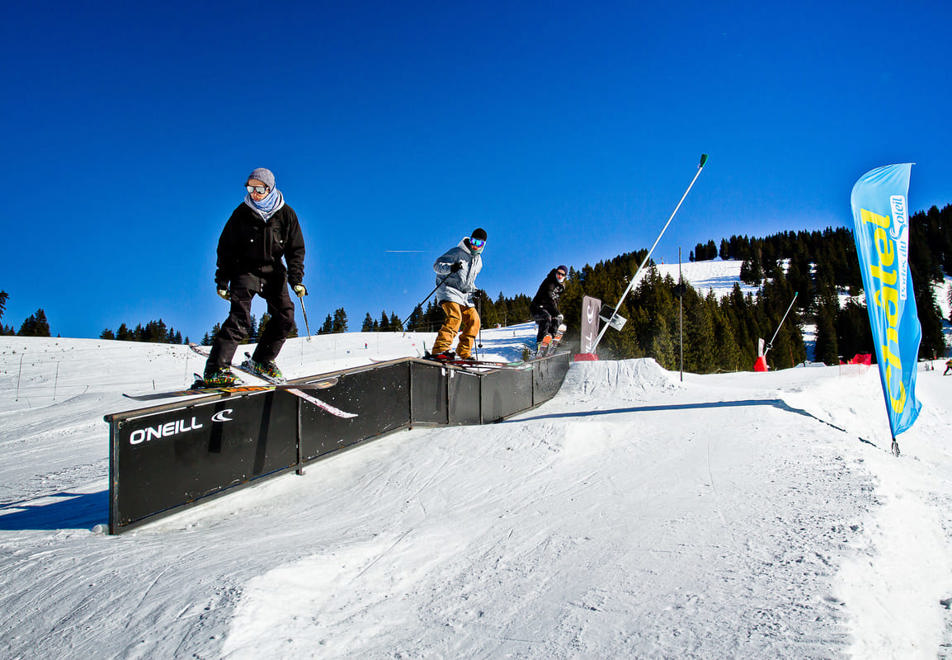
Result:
pixel 457 287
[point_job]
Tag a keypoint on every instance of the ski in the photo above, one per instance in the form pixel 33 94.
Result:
pixel 194 391
pixel 297 389
pixel 243 367
pixel 246 367
pixel 484 364
pixel 544 346
pixel 555 341
pixel 323 405
pixel 271 385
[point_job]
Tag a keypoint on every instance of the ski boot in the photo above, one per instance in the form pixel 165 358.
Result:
pixel 220 378
pixel 267 370
pixel 445 356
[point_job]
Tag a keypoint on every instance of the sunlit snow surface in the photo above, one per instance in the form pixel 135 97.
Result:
pixel 633 515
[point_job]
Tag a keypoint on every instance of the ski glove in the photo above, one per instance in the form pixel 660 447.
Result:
pixel 300 290
pixel 455 268
pixel 225 294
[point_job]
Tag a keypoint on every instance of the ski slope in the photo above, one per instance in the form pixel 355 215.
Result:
pixel 633 515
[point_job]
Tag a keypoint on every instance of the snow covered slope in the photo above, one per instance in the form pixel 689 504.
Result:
pixel 633 515
pixel 716 275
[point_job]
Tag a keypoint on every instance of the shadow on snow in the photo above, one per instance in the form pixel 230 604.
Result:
pixel 780 404
pixel 60 511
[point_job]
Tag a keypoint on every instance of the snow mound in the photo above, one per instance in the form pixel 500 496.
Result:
pixel 626 380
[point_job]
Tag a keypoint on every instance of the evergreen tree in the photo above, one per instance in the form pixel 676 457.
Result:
pixel 3 302
pixel 384 322
pixel 700 346
pixel 35 325
pixel 107 334
pixel 328 326
pixel 414 320
pixel 154 331
pixel 853 335
pixel 396 325
pixel 339 324
pixel 368 324
pixel 930 319
pixel 724 251
pixel 663 347
pixel 730 357
pixel 827 347
pixel 488 315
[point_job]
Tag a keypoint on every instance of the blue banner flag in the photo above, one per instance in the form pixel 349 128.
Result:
pixel 881 230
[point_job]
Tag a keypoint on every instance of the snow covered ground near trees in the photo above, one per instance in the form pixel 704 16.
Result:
pixel 636 515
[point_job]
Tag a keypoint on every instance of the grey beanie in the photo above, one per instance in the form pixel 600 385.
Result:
pixel 264 175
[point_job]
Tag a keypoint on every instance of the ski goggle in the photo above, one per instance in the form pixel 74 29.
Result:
pixel 477 242
pixel 257 189
pixel 559 274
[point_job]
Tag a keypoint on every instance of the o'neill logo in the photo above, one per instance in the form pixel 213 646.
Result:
pixel 164 431
pixel 222 415
pixel 590 323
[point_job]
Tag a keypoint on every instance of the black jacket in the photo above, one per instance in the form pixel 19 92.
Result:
pixel 249 245
pixel 547 297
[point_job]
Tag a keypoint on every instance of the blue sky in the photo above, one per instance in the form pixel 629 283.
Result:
pixel 567 130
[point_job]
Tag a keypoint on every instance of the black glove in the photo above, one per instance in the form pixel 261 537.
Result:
pixel 455 268
pixel 559 318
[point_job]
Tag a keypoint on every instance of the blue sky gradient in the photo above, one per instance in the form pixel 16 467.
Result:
pixel 567 131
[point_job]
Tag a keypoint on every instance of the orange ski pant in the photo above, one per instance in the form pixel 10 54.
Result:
pixel 456 316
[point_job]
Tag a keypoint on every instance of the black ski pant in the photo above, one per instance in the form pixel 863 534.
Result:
pixel 274 289
pixel 547 323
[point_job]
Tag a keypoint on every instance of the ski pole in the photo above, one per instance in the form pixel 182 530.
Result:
pixel 304 312
pixel 479 313
pixel 634 279
pixel 420 304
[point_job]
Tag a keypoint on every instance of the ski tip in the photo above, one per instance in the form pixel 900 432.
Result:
pixel 703 160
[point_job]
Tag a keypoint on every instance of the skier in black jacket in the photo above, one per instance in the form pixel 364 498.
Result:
pixel 545 306
pixel 261 231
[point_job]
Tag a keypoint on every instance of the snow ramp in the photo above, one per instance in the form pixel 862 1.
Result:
pixel 625 380
pixel 167 457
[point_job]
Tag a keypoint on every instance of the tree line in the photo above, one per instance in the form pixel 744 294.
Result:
pixel 821 267
pixel 153 331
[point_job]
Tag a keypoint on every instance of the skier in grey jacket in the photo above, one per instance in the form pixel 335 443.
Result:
pixel 456 274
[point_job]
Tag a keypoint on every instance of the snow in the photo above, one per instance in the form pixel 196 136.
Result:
pixel 634 514
pixel 716 275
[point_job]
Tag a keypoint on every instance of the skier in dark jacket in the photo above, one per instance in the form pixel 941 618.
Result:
pixel 545 306
pixel 261 231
